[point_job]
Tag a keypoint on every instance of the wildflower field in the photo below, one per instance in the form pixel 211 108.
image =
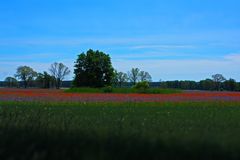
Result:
pixel 44 95
pixel 52 124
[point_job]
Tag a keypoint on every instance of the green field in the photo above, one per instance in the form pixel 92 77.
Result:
pixel 195 130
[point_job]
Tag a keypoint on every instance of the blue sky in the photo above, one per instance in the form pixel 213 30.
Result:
pixel 185 40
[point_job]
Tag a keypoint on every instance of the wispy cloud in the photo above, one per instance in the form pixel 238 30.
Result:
pixel 192 69
pixel 26 57
pixel 163 46
pixel 70 41
pixel 165 69
pixel 233 57
pixel 149 55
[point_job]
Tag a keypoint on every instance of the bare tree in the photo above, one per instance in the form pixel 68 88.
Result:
pixel 145 76
pixel 133 75
pixel 121 78
pixel 59 71
pixel 218 79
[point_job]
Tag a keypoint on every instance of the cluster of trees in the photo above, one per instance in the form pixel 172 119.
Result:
pixel 133 76
pixel 94 69
pixel 27 77
pixel 217 82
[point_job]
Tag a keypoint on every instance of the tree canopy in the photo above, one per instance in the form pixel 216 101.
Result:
pixel 93 69
pixel 26 74
pixel 45 80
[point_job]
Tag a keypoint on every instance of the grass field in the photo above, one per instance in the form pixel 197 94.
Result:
pixel 181 130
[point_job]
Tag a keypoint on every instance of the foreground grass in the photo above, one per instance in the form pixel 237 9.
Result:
pixel 186 130
pixel 122 90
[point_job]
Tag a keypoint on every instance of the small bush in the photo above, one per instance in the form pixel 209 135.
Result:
pixel 83 90
pixel 108 89
pixel 142 87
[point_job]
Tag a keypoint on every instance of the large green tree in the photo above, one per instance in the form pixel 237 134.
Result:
pixel 26 74
pixel 93 69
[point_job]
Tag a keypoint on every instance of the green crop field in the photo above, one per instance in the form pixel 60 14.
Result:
pixel 184 130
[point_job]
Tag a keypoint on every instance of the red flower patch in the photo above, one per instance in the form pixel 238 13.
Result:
pixel 60 95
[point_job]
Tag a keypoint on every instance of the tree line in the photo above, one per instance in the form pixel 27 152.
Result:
pixel 207 84
pixel 29 77
pixel 94 69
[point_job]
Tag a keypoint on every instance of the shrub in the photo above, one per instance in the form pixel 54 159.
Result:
pixel 108 89
pixel 141 87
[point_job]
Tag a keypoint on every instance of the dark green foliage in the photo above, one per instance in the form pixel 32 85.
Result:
pixel 230 85
pixel 26 74
pixel 142 87
pixel 108 89
pixel 11 82
pixel 218 82
pixel 187 85
pixel 45 80
pixel 84 90
pixel 218 79
pixel 93 69
pixel 207 84
pixel 106 131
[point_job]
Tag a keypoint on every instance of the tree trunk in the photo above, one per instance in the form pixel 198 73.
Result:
pixel 25 84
